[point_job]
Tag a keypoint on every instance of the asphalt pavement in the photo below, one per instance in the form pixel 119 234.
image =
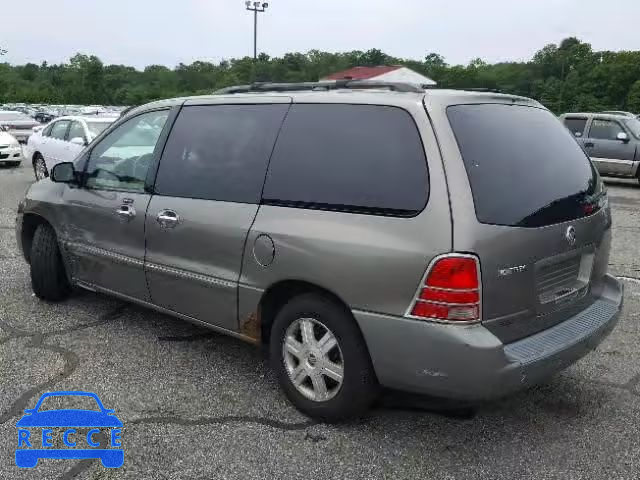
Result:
pixel 196 404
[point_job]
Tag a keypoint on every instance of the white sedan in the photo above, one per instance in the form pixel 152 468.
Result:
pixel 62 140
pixel 10 149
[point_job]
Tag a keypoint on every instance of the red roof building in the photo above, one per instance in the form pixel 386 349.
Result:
pixel 393 73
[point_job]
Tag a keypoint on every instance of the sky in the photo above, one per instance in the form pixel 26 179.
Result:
pixel 167 32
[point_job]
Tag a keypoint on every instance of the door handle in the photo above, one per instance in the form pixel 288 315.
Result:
pixel 126 212
pixel 168 218
pixel 589 145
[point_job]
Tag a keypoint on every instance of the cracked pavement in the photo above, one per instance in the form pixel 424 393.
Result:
pixel 196 404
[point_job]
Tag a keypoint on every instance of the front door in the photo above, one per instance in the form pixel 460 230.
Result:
pixel 206 196
pixel 105 216
pixel 610 155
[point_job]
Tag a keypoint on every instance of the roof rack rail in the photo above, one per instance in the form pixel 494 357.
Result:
pixel 466 89
pixel 319 86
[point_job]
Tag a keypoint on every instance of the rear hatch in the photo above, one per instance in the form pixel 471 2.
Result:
pixel 542 223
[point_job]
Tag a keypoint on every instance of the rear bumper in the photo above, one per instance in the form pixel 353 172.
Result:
pixel 470 363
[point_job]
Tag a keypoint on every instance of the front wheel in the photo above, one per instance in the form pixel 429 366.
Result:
pixel 321 359
pixel 48 277
pixel 40 167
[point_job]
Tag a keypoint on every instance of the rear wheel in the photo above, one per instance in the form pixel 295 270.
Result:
pixel 48 277
pixel 39 167
pixel 321 359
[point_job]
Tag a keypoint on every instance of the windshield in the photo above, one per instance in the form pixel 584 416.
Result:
pixel 69 402
pixel 633 125
pixel 96 128
pixel 524 167
pixel 13 116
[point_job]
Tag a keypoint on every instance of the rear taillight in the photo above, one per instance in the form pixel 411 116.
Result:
pixel 450 291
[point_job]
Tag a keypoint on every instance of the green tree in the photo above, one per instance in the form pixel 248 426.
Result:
pixel 633 99
pixel 565 76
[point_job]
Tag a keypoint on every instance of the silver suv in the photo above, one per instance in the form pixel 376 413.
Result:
pixel 371 235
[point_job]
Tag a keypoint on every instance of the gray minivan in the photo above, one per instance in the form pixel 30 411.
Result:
pixel 611 140
pixel 369 234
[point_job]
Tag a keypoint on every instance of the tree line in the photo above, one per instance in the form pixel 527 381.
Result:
pixel 569 76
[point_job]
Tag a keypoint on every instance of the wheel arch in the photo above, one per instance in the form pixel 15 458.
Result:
pixel 280 293
pixel 30 222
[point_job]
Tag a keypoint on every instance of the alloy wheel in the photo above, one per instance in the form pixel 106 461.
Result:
pixel 41 168
pixel 313 359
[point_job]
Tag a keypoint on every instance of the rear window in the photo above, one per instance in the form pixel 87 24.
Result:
pixel 524 168
pixel 354 158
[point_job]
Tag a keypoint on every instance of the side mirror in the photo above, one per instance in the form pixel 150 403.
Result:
pixel 78 141
pixel 623 137
pixel 63 173
pixel 577 134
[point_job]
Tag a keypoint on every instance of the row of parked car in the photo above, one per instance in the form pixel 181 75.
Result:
pixel 44 113
pixel 60 140
pixel 20 121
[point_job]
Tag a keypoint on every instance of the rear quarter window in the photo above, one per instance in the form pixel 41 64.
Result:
pixel 355 158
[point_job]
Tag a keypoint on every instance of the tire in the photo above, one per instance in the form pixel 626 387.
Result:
pixel 39 167
pixel 358 388
pixel 48 277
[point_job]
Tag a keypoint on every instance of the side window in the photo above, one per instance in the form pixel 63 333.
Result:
pixel 605 129
pixel 220 152
pixel 121 160
pixel 576 125
pixel 76 131
pixel 59 129
pixel 355 158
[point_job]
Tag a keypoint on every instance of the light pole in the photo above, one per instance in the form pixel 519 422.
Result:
pixel 256 7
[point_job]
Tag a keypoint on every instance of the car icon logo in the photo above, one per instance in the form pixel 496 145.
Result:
pixel 81 432
pixel 570 236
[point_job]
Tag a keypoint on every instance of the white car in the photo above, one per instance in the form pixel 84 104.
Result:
pixel 62 140
pixel 10 150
